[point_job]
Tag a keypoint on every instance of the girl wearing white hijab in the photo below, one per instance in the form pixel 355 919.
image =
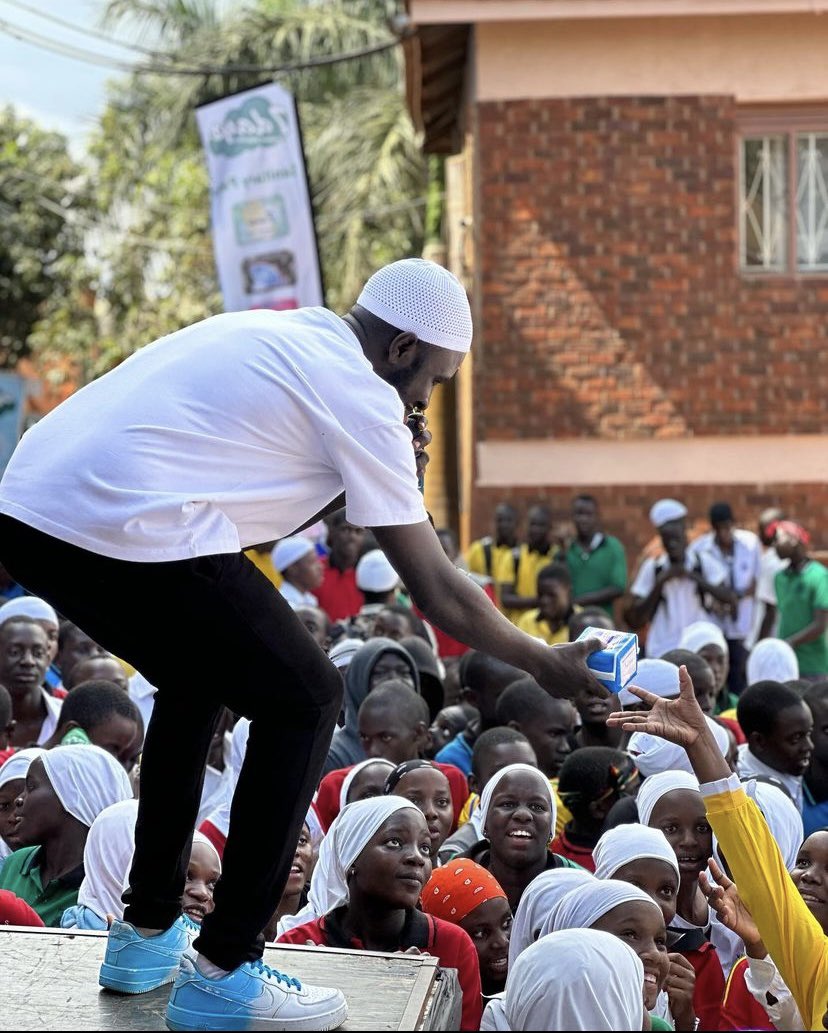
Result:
pixel 66 789
pixel 107 858
pixel 708 641
pixel 625 911
pixel 12 784
pixel 772 660
pixel 372 868
pixel 671 801
pixel 539 897
pixel 579 979
pixel 643 857
pixel 517 815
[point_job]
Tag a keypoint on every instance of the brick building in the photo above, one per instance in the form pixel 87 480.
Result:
pixel 636 199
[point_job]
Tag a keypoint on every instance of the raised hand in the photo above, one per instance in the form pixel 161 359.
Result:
pixel 680 986
pixel 725 900
pixel 678 720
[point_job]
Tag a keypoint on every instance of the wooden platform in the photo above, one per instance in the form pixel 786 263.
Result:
pixel 50 982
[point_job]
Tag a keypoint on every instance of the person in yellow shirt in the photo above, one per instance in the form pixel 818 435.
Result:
pixel 495 556
pixel 518 588
pixel 793 936
pixel 550 618
pixel 261 557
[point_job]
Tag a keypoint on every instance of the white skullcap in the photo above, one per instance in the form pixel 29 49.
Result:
pixel 700 634
pixel 422 298
pixel 374 573
pixel 666 510
pixel 28 606
pixel 18 764
pixel 86 780
pixel 289 550
pixel 652 754
pixel 626 843
pixel 660 785
pixel 343 652
pixel 772 660
pixel 657 676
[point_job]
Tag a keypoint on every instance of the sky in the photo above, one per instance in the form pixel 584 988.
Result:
pixel 58 92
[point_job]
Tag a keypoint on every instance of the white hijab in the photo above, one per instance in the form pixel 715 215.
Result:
pixel 700 634
pixel 220 817
pixel 652 754
pixel 107 858
pixel 18 764
pixel 511 769
pixel 537 900
pixel 16 767
pixel 579 979
pixel 657 676
pixel 349 834
pixel 626 843
pixel 582 907
pixel 86 780
pixel 355 770
pixel 659 785
pixel 771 659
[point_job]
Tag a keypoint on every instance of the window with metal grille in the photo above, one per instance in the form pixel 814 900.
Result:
pixel 783 201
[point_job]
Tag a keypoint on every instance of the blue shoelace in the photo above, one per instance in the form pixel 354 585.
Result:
pixel 273 973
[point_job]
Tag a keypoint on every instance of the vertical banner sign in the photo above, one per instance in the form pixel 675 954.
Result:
pixel 13 391
pixel 263 231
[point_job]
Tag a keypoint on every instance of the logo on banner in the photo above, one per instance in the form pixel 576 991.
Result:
pixel 256 123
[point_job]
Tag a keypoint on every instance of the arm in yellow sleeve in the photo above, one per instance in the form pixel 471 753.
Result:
pixel 793 936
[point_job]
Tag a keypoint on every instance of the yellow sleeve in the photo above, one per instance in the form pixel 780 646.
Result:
pixel 793 936
pixel 468 807
pixel 476 558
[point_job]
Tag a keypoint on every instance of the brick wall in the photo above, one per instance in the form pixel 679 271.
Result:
pixel 611 301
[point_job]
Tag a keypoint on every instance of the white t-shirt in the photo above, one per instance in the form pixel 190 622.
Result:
pixel 52 719
pixel 743 569
pixel 233 431
pixel 680 603
pixel 296 597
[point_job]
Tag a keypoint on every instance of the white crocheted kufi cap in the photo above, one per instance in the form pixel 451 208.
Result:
pixel 423 298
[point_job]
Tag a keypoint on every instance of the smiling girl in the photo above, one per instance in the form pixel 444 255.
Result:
pixel 517 815
pixel 372 867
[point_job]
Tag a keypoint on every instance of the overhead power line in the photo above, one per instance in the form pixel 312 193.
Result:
pixel 84 31
pixel 102 60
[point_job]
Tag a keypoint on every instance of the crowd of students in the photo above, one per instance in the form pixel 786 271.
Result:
pixel 565 862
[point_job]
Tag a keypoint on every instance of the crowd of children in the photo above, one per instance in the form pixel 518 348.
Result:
pixel 579 869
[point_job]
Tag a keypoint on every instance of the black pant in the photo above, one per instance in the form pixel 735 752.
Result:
pixel 206 632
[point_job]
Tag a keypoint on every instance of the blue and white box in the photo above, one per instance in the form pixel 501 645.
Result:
pixel 616 663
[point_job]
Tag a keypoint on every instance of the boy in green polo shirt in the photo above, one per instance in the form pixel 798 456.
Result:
pixel 596 561
pixel 802 599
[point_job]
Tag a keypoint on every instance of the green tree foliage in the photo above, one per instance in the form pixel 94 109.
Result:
pixel 367 173
pixel 43 204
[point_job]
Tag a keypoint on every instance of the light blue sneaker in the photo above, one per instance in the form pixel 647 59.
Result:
pixel 252 996
pixel 134 964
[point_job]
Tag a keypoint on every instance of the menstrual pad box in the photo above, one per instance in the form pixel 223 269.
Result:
pixel 616 663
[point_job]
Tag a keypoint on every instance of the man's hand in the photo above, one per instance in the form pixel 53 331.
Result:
pixel 677 720
pixel 418 422
pixel 563 672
